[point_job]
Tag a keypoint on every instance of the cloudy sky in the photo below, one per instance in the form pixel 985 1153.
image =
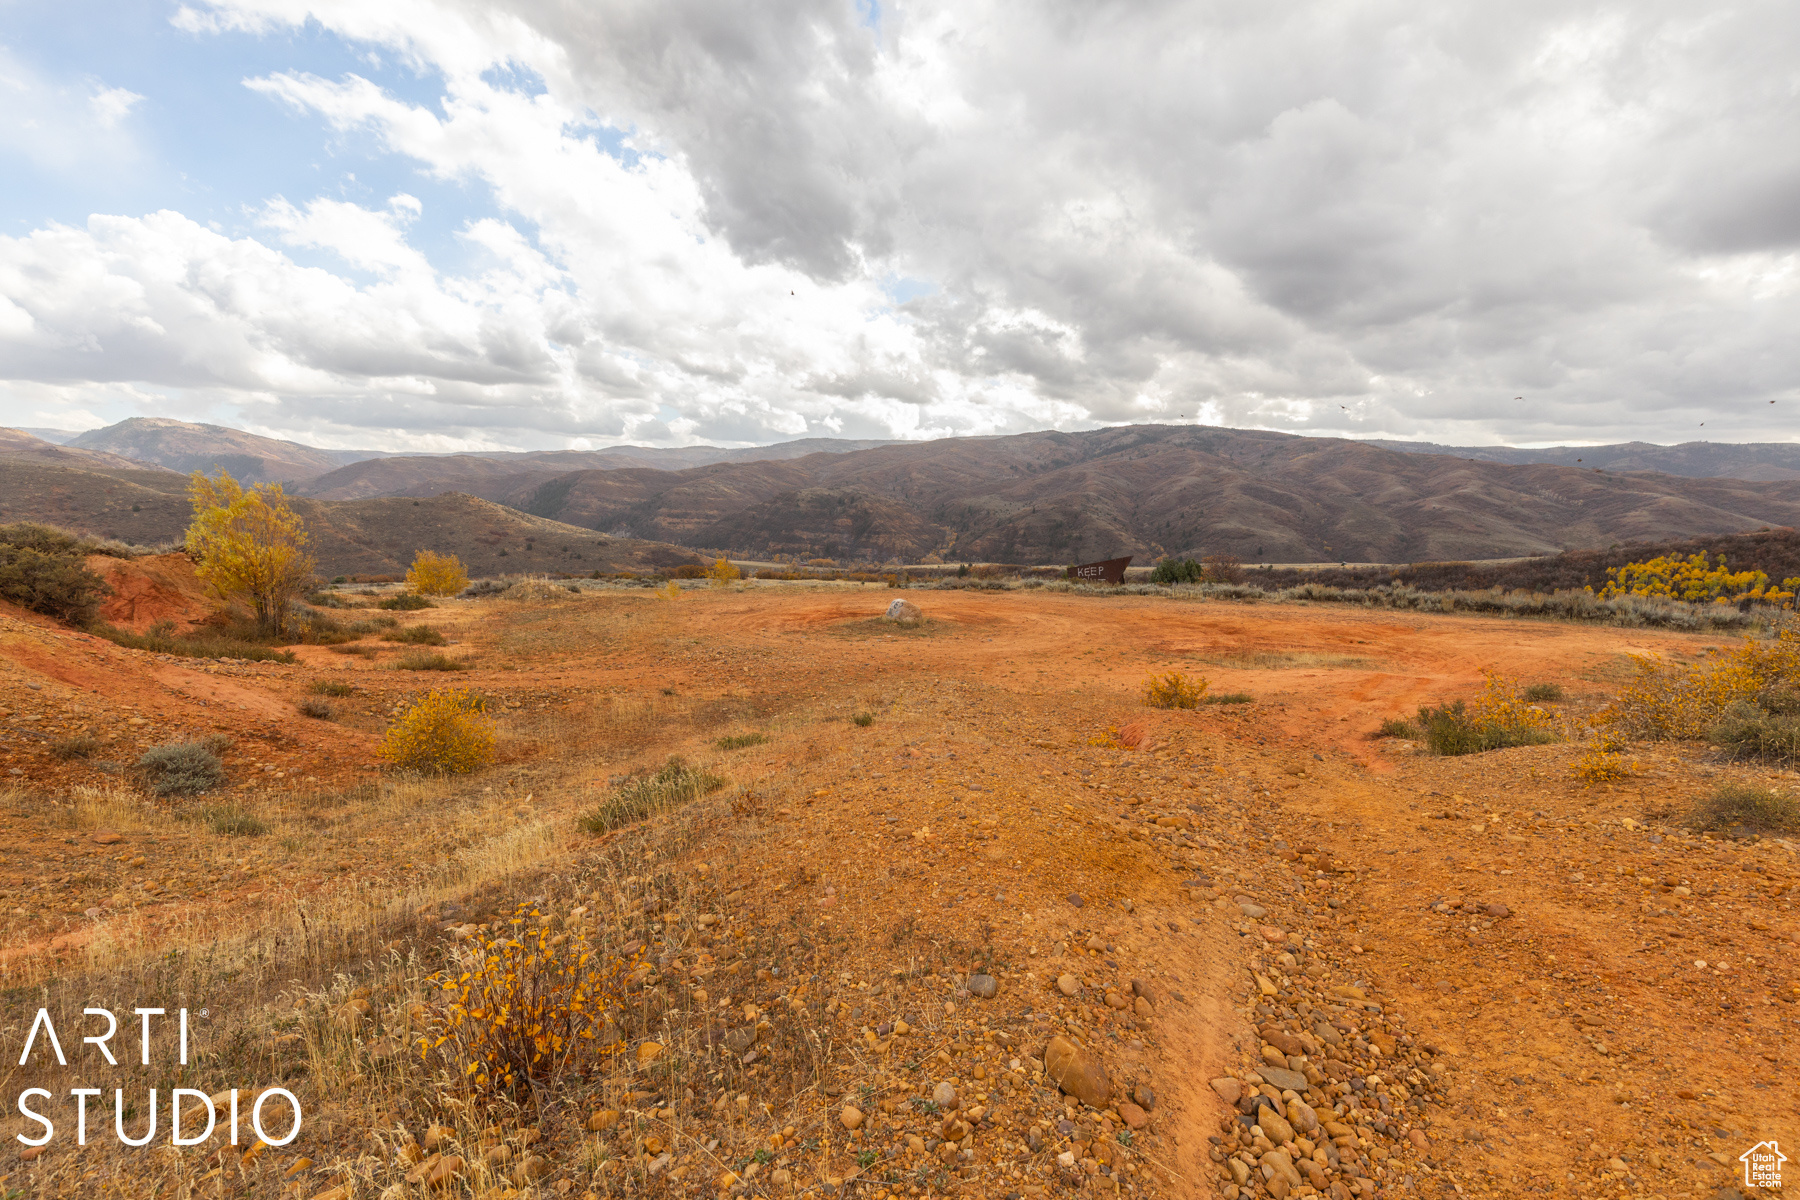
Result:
pixel 440 224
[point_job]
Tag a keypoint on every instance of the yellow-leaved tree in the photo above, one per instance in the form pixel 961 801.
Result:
pixel 249 544
pixel 435 574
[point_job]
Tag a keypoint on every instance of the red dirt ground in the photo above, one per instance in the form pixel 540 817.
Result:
pixel 1692 1062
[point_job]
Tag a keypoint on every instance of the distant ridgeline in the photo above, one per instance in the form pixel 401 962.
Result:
pixel 1773 552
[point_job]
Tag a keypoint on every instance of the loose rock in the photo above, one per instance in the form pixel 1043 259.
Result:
pixel 905 612
pixel 983 986
pixel 1077 1071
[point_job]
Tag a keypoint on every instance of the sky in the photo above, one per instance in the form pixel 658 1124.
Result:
pixel 440 225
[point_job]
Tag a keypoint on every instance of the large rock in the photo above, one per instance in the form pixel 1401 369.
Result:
pixel 1077 1071
pixel 905 612
pixel 1287 1081
pixel 1275 1127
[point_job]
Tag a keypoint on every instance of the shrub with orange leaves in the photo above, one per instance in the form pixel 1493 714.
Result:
pixel 445 733
pixel 1174 690
pixel 1600 765
pixel 433 574
pixel 1695 580
pixel 523 1006
pixel 1667 700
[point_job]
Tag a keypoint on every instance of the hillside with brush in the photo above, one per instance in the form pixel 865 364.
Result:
pixel 1148 491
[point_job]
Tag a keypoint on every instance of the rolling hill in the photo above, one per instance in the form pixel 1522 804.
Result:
pixel 359 537
pixel 186 447
pixel 21 445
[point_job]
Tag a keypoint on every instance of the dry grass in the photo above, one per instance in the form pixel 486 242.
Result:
pixel 1745 809
pixel 1278 660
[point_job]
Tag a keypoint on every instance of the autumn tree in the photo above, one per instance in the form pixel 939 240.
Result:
pixel 249 545
pixel 435 574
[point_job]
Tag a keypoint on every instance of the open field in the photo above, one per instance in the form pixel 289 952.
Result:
pixel 1470 975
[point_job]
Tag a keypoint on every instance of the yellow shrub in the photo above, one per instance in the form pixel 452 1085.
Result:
pixel 723 571
pixel 1600 765
pixel 1671 701
pixel 446 733
pixel 523 1006
pixel 1692 579
pixel 1173 690
pixel 436 574
pixel 1502 705
pixel 669 591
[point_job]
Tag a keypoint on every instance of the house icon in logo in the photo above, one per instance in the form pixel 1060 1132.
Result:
pixel 1762 1165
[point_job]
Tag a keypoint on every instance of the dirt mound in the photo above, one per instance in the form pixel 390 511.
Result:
pixel 160 587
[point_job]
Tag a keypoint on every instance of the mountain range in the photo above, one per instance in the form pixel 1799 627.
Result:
pixel 1048 497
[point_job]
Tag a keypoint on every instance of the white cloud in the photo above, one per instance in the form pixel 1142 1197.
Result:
pixel 1335 216
pixel 112 105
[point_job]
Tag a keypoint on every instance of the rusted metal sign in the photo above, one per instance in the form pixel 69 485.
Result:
pixel 1110 571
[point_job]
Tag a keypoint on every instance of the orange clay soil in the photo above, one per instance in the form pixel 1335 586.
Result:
pixel 1488 979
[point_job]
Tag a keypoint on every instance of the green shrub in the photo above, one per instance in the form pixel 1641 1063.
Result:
pixel 234 821
pixel 741 741
pixel 331 687
pixel 675 784
pixel 356 651
pixel 82 745
pixel 1544 693
pixel 415 635
pixel 1230 698
pixel 1740 809
pixel 1398 727
pixel 1177 570
pixel 318 710
pixel 1748 731
pixel 1455 728
pixel 181 769
pixel 405 602
pixel 41 569
pixel 418 660
pixel 864 719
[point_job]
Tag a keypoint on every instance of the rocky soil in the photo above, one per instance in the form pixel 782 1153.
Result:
pixel 1016 935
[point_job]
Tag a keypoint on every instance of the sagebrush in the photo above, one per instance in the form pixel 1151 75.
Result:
pixel 181 769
